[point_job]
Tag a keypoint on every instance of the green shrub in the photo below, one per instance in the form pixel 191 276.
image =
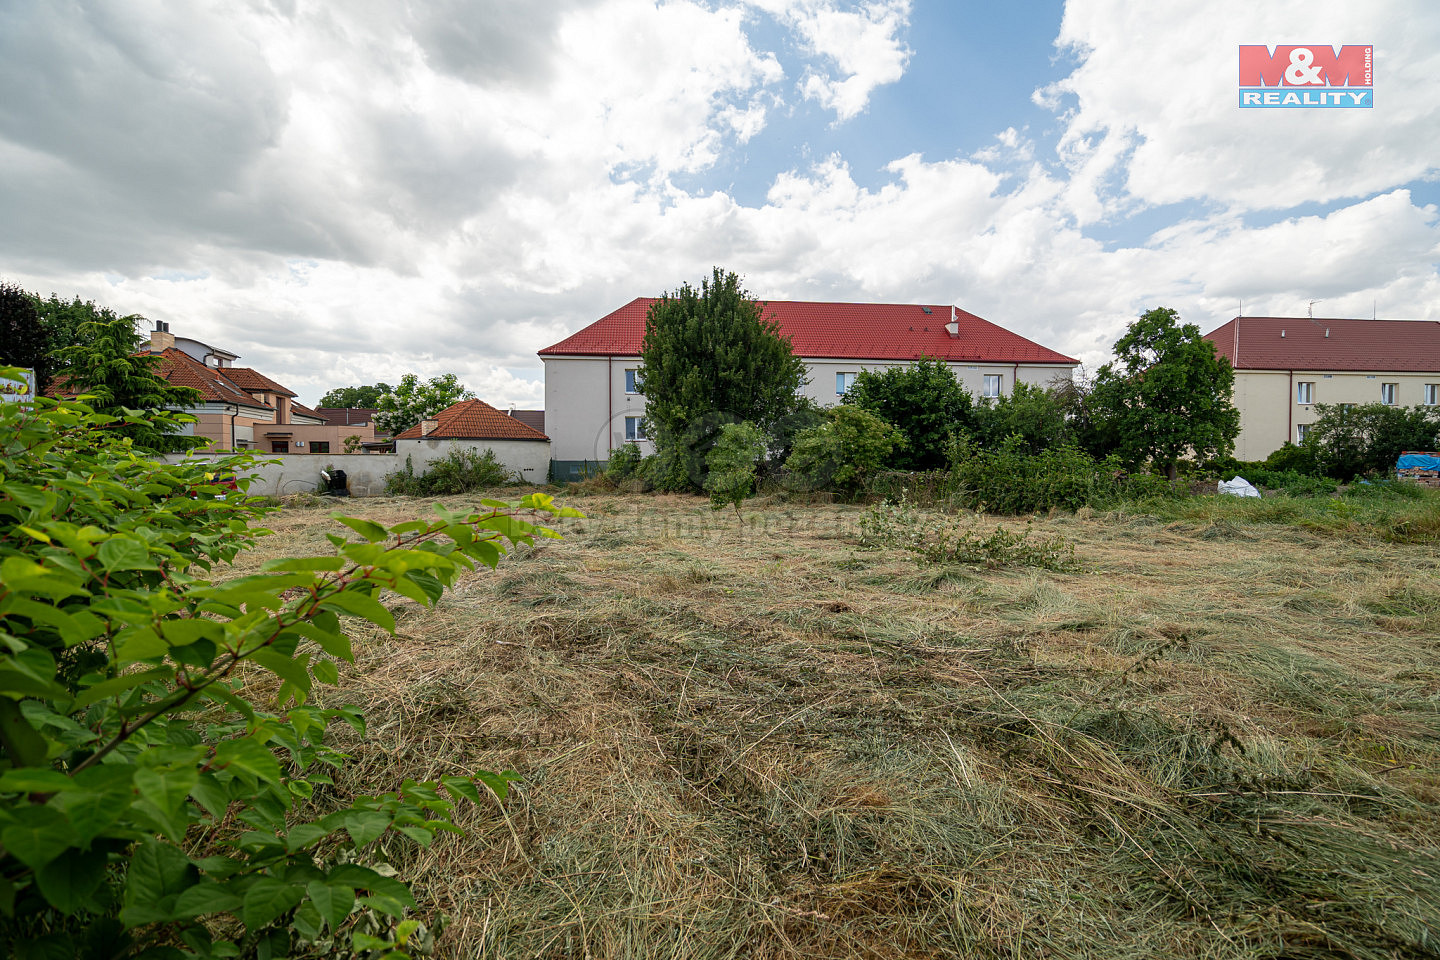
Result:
pixel 842 453
pixel 937 538
pixel 459 471
pixel 147 806
pixel 731 464
pixel 624 463
pixel 1010 479
pixel 924 401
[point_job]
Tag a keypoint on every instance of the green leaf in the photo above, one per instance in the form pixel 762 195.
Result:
pixel 167 789
pixel 419 834
pixel 211 794
pixel 362 605
pixel 367 529
pixel 19 739
pixel 366 825
pixel 37 835
pixel 53 946
pixel 303 835
pixel 325 671
pixel 306 565
pixel 244 755
pixel 34 780
pixel 69 880
pixel 122 553
pixel 290 669
pixel 268 899
pixel 332 900
pixel 206 898
pixel 158 873
pixel 461 787
pixel 118 685
pixel 139 643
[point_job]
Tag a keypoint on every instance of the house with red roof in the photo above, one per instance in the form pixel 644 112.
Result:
pixel 241 408
pixel 1284 366
pixel 475 425
pixel 593 404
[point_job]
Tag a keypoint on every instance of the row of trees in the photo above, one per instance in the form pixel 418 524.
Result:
pixel 724 404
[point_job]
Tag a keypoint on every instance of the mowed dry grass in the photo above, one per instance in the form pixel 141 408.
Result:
pixel 1211 739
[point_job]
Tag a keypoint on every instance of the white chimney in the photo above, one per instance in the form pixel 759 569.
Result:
pixel 953 327
pixel 428 426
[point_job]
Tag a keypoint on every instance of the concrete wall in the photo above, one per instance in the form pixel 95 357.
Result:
pixel 586 405
pixel 292 473
pixel 1270 411
pixel 527 459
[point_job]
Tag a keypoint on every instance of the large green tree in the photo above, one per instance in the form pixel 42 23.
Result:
pixel 1034 414
pixel 110 365
pixel 413 400
pixel 924 401
pixel 24 341
pixel 365 396
pixel 1168 394
pixel 1349 441
pixel 713 357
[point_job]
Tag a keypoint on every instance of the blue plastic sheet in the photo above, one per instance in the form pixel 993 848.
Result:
pixel 1417 461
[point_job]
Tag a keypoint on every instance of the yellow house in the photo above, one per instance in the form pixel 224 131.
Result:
pixel 1284 366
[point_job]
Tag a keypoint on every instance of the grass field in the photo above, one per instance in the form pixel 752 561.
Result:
pixel 1217 735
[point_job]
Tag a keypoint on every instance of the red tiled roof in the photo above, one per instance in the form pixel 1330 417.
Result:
pixel 474 420
pixel 840 331
pixel 182 370
pixel 1255 343
pixel 256 381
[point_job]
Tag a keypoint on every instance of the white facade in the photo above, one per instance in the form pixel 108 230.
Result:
pixel 588 407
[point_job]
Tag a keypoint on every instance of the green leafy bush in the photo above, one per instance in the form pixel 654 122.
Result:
pixel 923 401
pixel 731 464
pixel 843 452
pixel 1010 479
pixel 459 471
pixel 938 538
pixel 624 463
pixel 147 806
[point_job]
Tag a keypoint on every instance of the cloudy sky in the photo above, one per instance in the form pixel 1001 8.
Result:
pixel 344 192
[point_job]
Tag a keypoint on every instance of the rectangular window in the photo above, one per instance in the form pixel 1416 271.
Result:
pixel 634 429
pixel 1432 394
pixel 843 383
pixel 1387 394
pixel 319 446
pixel 1304 392
pixel 279 446
pixel 1300 430
pixel 991 389
pixel 633 381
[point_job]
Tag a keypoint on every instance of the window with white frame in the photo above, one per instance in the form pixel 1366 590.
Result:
pixel 633 380
pixel 1432 394
pixel 1300 430
pixel 1304 392
pixel 635 429
pixel 1387 394
pixel 990 389
pixel 843 383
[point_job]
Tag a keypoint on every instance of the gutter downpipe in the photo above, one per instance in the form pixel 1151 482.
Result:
pixel 235 412
pixel 1290 410
pixel 1014 378
pixel 610 401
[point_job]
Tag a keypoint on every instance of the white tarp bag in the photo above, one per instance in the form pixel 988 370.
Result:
pixel 1238 487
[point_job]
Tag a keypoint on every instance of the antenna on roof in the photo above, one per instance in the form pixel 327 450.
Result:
pixel 1310 310
pixel 1242 308
pixel 1372 310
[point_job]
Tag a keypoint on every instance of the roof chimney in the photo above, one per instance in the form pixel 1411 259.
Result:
pixel 427 427
pixel 161 338
pixel 953 327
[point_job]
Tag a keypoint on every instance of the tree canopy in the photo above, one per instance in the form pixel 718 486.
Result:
pixel 924 401
pixel 1167 394
pixel 413 400
pixel 24 341
pixel 365 396
pixel 713 357
pixel 1350 441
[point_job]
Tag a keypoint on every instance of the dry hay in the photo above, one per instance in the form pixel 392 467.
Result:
pixel 1214 739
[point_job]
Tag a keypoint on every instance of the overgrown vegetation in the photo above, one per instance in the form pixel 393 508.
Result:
pixel 941 538
pixel 459 471
pixel 167 782
pixel 1213 739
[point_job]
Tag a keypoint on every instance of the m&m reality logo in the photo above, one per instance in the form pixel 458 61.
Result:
pixel 1310 76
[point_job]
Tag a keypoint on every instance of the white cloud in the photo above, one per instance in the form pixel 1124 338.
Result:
pixel 860 43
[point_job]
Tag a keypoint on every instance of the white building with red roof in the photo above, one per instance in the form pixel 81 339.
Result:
pixel 593 405
pixel 475 425
pixel 1284 366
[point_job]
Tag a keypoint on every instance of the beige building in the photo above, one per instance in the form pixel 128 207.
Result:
pixel 1285 366
pixel 241 408
pixel 593 404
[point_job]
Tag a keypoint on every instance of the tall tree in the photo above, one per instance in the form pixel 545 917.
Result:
pixel 1346 442
pixel 1167 395
pixel 1034 414
pixel 24 341
pixel 924 400
pixel 712 357
pixel 413 400
pixel 364 397
pixel 109 366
